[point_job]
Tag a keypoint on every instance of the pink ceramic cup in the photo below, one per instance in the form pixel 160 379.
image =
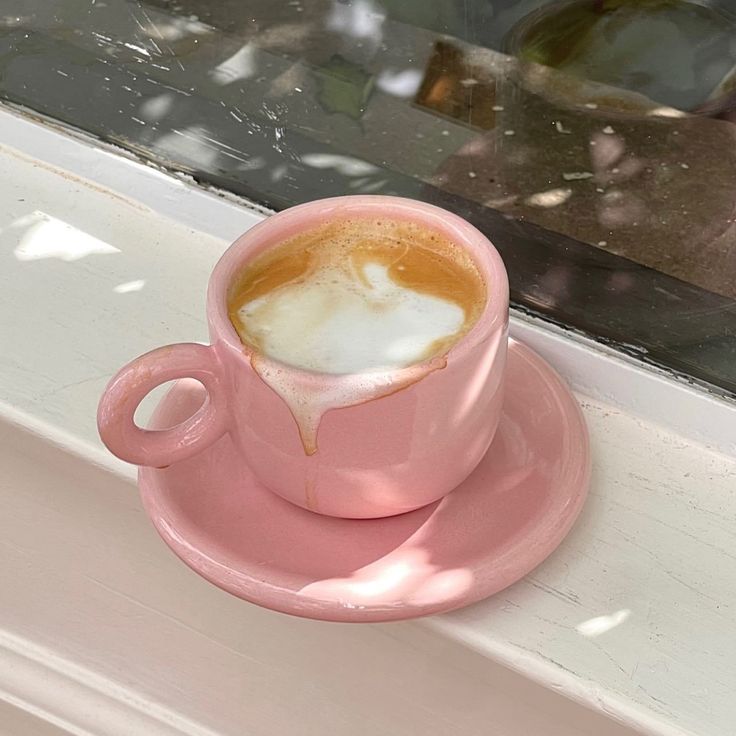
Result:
pixel 380 444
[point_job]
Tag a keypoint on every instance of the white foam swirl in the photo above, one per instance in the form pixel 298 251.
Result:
pixel 337 321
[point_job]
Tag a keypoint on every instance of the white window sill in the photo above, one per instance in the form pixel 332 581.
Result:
pixel 90 589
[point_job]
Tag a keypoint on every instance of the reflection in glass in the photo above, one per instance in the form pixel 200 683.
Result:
pixel 592 140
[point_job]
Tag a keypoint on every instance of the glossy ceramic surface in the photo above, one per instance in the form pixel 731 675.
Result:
pixel 366 445
pixel 498 525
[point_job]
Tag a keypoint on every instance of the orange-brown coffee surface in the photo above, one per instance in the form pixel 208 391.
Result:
pixel 356 296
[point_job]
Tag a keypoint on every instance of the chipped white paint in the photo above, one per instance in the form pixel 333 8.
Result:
pixel 633 616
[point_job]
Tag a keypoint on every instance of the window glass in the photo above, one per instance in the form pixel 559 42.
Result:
pixel 592 140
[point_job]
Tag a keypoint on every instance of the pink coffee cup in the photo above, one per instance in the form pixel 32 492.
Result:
pixel 381 443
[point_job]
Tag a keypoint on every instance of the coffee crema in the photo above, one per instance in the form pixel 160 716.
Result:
pixel 357 296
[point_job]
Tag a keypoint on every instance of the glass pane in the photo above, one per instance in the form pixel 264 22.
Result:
pixel 592 140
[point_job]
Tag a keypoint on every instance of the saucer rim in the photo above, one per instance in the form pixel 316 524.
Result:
pixel 287 600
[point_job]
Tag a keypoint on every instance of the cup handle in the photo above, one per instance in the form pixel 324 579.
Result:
pixel 159 448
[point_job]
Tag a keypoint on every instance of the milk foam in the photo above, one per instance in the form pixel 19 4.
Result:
pixel 340 320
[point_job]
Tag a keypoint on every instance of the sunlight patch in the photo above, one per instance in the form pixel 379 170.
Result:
pixel 601 624
pixel 48 237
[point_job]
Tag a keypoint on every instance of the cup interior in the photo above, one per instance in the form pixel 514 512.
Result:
pixel 289 223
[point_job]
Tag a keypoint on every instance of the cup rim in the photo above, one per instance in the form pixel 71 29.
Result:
pixel 284 224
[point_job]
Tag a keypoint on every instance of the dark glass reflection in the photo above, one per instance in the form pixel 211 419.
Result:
pixel 592 140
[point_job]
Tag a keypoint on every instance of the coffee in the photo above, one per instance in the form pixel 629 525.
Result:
pixel 357 296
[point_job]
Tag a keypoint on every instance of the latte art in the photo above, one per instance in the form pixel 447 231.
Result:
pixel 357 296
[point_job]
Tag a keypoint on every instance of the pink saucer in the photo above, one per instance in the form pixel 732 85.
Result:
pixel 497 526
